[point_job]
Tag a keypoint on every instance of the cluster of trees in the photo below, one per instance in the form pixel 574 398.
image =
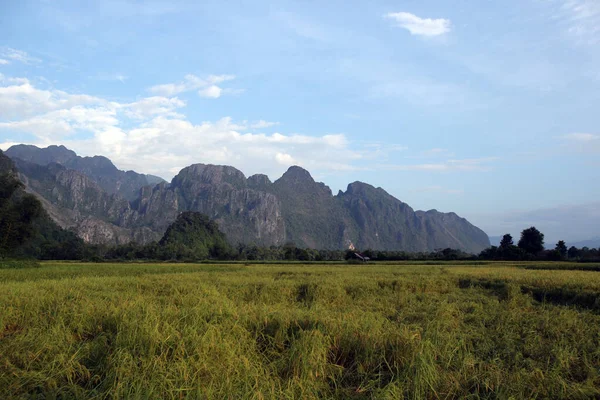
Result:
pixel 17 211
pixel 531 247
pixel 177 251
pixel 25 228
pixel 193 236
pixel 447 254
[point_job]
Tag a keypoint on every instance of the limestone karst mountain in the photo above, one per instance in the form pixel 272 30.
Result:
pixel 104 206
pixel 98 168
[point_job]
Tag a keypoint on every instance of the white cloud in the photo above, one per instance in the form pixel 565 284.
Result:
pixel 21 99
pixel 3 61
pixel 6 145
pixel 152 106
pixel 211 92
pixel 582 137
pixel 151 134
pixel 420 26
pixel 10 54
pixel 168 89
pixel 285 159
pixel 163 145
pixel 63 123
pixel 206 87
pixel 214 79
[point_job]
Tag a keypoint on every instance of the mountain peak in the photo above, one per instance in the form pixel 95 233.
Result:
pixel 211 174
pixel 98 168
pixel 296 174
pixel 259 181
pixel 358 188
pixel 43 156
pixel 94 165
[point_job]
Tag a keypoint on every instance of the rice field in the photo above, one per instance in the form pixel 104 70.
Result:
pixel 300 331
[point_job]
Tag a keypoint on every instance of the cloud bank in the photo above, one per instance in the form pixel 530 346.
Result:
pixel 153 135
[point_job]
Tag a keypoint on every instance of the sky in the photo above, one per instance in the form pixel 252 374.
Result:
pixel 488 109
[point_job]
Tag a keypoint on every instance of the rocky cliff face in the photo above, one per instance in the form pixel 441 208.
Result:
pixel 98 168
pixel 76 202
pixel 383 222
pixel 248 210
pixel 244 214
pixel 313 216
pixel 449 230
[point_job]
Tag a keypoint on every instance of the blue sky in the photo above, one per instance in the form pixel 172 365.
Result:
pixel 485 108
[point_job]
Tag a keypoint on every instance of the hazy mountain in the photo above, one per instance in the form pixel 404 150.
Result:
pixel 495 240
pixel 572 223
pixel 294 208
pixel 590 243
pixel 98 168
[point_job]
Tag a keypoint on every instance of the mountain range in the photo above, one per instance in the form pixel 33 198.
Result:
pixel 593 243
pixel 105 205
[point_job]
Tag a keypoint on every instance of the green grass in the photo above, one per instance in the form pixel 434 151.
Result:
pixel 71 330
pixel 18 264
pixel 567 266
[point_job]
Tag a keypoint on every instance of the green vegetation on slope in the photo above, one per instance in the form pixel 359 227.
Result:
pixel 25 229
pixel 17 212
pixel 282 331
pixel 193 235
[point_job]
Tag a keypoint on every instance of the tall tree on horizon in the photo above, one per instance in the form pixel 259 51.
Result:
pixel 532 241
pixel 561 247
pixel 507 241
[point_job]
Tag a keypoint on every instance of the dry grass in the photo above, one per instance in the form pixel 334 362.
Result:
pixel 298 331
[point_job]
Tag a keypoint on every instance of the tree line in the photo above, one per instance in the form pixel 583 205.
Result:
pixel 196 241
pixel 531 247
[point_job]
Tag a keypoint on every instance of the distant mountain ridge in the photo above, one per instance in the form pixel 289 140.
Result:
pixel 495 240
pixel 593 243
pixel 99 168
pixel 104 206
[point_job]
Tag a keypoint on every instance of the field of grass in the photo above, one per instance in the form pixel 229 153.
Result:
pixel 271 331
